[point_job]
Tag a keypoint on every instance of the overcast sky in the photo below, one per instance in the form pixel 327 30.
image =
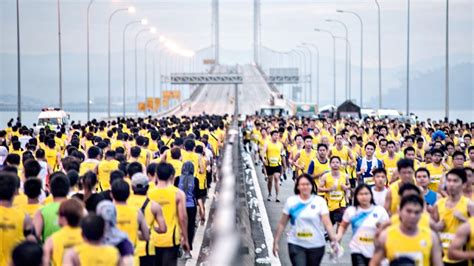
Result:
pixel 285 24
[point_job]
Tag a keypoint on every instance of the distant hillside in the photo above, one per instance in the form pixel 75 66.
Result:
pixel 427 90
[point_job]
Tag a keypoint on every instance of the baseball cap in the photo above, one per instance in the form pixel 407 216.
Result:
pixel 139 180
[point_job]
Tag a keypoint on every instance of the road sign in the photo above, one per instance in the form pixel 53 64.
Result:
pixel 209 62
pixel 199 78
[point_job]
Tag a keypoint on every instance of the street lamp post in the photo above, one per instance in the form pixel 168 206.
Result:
pixel 136 67
pixel 380 55
pixel 131 10
pixel 18 68
pixel 310 72
pixel 408 58
pixel 317 69
pixel 361 51
pixel 347 53
pixel 60 57
pixel 334 61
pixel 348 44
pixel 143 22
pixel 446 85
pixel 146 72
pixel 301 62
pixel 154 74
pixel 88 60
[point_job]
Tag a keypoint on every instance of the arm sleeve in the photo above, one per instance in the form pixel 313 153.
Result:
pixel 324 206
pixel 286 208
pixel 348 214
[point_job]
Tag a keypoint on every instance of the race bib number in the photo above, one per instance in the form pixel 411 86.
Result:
pixel 274 160
pixel 446 239
pixel 336 195
pixel 435 179
pixel 369 180
pixel 366 240
pixel 417 257
pixel 304 233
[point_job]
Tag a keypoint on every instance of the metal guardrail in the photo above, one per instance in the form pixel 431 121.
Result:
pixel 226 238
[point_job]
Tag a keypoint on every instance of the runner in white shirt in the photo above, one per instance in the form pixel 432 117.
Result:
pixel 309 218
pixel 379 191
pixel 364 218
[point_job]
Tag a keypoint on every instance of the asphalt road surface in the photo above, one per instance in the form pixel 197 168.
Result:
pixel 274 211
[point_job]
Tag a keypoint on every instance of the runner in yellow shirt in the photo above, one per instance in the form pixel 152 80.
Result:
pixel 381 152
pixel 105 167
pixel 437 170
pixel 406 173
pixel 335 185
pixel 173 203
pixel 420 245
pixel 16 224
pixel 32 189
pixel 273 153
pixel 450 212
pixel 462 245
pixel 319 166
pixel 175 160
pixel 92 161
pixel 390 161
pixel 304 156
pixel 92 251
pixel 129 218
pixel 342 152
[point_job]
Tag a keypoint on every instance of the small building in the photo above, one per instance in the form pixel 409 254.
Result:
pixel 348 109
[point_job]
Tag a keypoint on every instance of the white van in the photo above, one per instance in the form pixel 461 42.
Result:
pixel 388 113
pixel 52 117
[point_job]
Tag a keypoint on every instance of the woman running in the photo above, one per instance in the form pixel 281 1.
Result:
pixel 309 218
pixel 364 217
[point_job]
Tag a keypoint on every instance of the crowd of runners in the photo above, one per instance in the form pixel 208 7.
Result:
pixel 119 192
pixel 405 190
pixel 133 191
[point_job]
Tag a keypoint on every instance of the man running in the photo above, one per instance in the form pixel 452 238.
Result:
pixel 273 152
pixel 407 242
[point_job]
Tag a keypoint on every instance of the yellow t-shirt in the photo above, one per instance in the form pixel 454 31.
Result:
pixel 390 165
pixel 166 197
pixel 436 173
pixel 31 209
pixel 177 165
pixel 335 199
pixel 127 221
pixel 417 247
pixel 451 222
pixel 104 169
pixel 274 153
pixel 11 222
pixel 305 159
pixel 103 255
pixel 66 237
pixel 88 165
pixel 137 201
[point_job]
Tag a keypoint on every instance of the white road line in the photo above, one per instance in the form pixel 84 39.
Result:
pixel 267 230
